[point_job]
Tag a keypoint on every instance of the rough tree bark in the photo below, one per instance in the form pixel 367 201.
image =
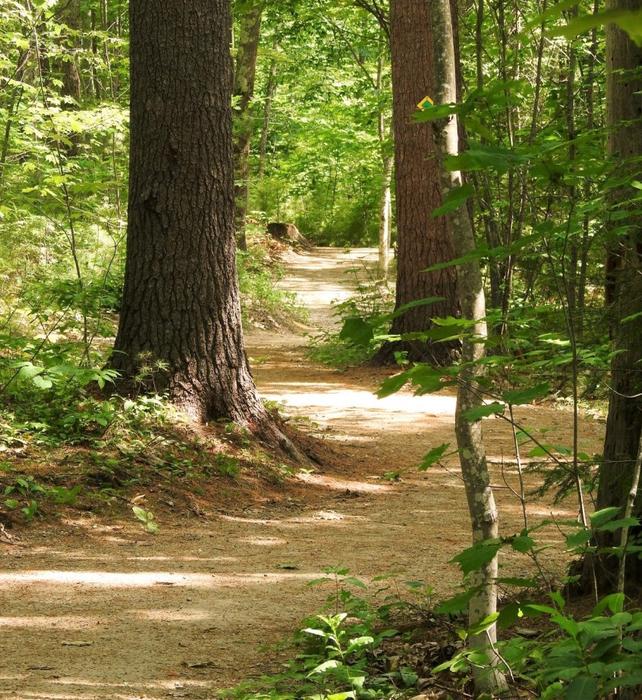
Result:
pixel 422 240
pixel 624 422
pixel 470 440
pixel 244 78
pixel 181 312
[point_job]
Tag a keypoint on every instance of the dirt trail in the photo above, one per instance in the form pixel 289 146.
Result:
pixel 92 610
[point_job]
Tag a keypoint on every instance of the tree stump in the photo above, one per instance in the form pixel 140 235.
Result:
pixel 289 234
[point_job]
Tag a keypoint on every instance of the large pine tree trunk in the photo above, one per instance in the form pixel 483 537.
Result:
pixel 422 240
pixel 624 423
pixel 244 78
pixel 180 311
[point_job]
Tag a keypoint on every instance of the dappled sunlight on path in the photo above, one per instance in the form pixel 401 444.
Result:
pixel 99 611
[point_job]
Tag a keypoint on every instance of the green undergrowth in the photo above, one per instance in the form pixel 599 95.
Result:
pixel 392 639
pixel 346 651
pixel 371 304
pixel 264 304
pixel 535 344
pixel 64 444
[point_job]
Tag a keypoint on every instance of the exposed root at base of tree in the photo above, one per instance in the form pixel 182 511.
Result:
pixel 436 354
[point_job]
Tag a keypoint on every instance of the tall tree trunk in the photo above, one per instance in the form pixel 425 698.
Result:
pixel 180 312
pixel 244 77
pixel 270 92
pixel 71 83
pixel 624 422
pixel 387 161
pixel 385 214
pixel 14 98
pixel 422 240
pixel 470 440
pixel 71 17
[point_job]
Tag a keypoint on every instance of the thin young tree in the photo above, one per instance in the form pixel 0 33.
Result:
pixel 251 14
pixel 180 324
pixel 387 162
pixel 423 240
pixel 470 439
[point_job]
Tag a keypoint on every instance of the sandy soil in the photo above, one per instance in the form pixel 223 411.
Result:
pixel 90 609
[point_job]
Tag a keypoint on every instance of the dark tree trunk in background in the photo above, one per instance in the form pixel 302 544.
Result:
pixel 181 301
pixel 71 83
pixel 422 240
pixel 624 423
pixel 270 91
pixel 244 77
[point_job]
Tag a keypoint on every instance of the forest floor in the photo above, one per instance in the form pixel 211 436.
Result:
pixel 92 607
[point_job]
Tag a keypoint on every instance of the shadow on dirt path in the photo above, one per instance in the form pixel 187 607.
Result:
pixel 94 611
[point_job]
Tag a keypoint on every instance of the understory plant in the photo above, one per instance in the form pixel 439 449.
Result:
pixel 340 651
pixel 363 319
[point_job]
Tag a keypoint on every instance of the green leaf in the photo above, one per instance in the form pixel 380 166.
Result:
pixel 614 602
pixel 614 525
pixel 558 599
pixel 393 384
pixel 454 199
pixel 480 252
pixel 490 409
pixel 484 624
pixel 433 456
pixel 621 618
pixel 524 396
pixel 428 301
pixel 476 557
pixel 480 157
pixel 325 666
pixel 578 539
pixel 357 331
pixel 509 615
pixel 426 379
pixel 42 382
pixel 522 543
pixel 27 370
pixel 456 604
pixel 358 643
pixel 632 317
pixel 435 112
pixel 538 609
pixel 354 582
pixel 601 517
pixel 581 688
pixel 628 20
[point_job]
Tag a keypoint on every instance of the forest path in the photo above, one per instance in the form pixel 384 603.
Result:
pixel 94 610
